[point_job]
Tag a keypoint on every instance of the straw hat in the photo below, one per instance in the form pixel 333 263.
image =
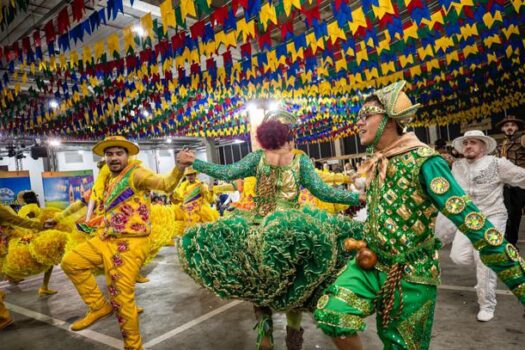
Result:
pixel 396 102
pixel 115 141
pixel 511 118
pixel 190 171
pixel 478 135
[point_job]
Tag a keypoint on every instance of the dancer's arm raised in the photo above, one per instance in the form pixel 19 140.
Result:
pixel 320 189
pixel 244 168
pixel 145 179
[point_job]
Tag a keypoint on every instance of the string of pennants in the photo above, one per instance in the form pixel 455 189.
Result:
pixel 467 54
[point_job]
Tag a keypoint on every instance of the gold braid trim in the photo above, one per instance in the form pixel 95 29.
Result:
pixel 387 295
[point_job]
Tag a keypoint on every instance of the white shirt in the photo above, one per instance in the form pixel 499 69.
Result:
pixel 483 181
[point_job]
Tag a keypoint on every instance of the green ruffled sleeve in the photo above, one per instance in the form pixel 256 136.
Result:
pixel 244 168
pixel 495 252
pixel 326 193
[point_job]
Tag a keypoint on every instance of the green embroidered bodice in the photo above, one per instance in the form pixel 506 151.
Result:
pixel 401 219
pixel 278 187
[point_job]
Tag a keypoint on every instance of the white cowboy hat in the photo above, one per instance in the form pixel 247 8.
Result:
pixel 478 135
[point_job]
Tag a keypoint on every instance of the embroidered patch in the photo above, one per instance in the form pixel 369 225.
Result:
pixel 113 291
pixel 512 252
pixel 117 260
pixel 114 276
pixel 493 237
pixel 475 221
pixel 116 306
pixel 122 246
pixel 455 205
pixel 439 185
pixel 425 151
pixel 323 301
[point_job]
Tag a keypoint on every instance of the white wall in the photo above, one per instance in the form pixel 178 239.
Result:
pixel 86 163
pixel 148 159
pixel 166 161
pixel 201 154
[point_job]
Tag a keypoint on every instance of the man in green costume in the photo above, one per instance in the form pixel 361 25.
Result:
pixel 407 184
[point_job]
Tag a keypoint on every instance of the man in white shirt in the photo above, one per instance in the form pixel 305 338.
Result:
pixel 483 177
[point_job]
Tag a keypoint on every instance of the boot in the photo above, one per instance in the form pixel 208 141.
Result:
pixel 43 291
pixel 264 328
pixel 294 338
pixel 91 317
pixel 141 279
pixel 6 322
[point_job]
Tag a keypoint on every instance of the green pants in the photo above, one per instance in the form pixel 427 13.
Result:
pixel 352 297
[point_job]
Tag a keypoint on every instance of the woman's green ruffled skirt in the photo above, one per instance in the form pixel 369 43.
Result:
pixel 285 262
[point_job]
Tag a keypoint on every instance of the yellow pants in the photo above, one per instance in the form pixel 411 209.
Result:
pixel 122 259
pixel 4 313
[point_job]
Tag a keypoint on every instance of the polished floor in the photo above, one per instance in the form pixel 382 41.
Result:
pixel 181 315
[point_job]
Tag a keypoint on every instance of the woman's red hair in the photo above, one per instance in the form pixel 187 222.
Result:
pixel 273 134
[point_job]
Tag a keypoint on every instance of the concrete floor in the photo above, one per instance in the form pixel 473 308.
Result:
pixel 180 315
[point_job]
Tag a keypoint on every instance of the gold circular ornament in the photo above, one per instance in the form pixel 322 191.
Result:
pixel 425 151
pixel 493 237
pixel 455 205
pixel 439 185
pixel 512 252
pixel 475 221
pixel 323 301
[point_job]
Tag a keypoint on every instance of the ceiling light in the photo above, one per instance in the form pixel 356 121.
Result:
pixel 54 142
pixel 252 107
pixel 274 106
pixel 53 104
pixel 137 29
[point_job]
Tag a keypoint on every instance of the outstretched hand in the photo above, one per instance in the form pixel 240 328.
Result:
pixel 185 158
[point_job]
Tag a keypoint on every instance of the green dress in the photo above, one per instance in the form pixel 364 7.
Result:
pixel 278 255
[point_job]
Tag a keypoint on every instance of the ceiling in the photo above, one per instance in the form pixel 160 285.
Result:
pixel 42 11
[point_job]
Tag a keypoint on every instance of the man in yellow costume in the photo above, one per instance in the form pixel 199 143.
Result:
pixel 195 200
pixel 9 218
pixel 123 244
